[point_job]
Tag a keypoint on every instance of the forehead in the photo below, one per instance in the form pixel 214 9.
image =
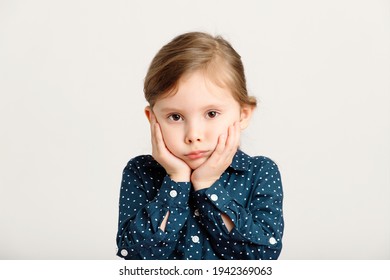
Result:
pixel 198 89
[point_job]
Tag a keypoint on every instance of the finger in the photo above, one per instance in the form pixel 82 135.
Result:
pixel 221 144
pixel 157 134
pixel 152 122
pixel 158 137
pixel 154 139
pixel 231 140
pixel 238 135
pixel 152 133
pixel 154 119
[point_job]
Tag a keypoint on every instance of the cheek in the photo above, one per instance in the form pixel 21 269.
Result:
pixel 171 137
pixel 216 130
pixel 222 126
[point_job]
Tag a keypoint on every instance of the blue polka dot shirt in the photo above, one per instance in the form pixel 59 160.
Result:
pixel 249 192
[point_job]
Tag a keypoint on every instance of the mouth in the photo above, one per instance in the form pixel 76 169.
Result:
pixel 196 154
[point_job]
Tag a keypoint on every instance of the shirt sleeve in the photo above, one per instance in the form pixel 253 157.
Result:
pixel 140 215
pixel 258 229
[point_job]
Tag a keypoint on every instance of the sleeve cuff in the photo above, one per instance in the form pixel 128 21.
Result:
pixel 215 195
pixel 174 194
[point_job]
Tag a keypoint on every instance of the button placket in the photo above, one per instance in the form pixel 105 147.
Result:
pixel 195 239
pixel 196 212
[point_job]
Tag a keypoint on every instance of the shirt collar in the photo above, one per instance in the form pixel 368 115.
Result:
pixel 241 161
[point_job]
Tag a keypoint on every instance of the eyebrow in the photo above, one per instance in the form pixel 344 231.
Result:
pixel 210 106
pixel 169 110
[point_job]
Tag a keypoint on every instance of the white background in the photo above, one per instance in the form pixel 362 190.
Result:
pixel 71 116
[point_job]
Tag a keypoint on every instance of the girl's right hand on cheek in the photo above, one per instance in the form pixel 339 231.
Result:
pixel 176 168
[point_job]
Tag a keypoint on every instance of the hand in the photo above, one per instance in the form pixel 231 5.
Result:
pixel 210 171
pixel 176 168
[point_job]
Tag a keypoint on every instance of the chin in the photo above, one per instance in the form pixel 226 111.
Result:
pixel 194 164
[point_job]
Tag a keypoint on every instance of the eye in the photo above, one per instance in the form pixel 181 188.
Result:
pixel 175 117
pixel 212 114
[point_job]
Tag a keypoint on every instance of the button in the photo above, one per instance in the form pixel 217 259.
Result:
pixel 272 241
pixel 124 252
pixel 195 239
pixel 214 197
pixel 173 193
pixel 196 212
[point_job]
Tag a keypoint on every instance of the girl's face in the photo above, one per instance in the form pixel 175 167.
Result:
pixel 193 118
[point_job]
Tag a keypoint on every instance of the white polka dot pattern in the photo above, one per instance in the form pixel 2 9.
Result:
pixel 249 192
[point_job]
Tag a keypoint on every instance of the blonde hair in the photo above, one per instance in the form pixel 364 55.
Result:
pixel 196 51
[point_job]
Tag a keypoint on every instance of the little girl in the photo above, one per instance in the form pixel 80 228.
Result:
pixel 198 196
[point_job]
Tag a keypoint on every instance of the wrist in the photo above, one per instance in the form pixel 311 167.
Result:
pixel 198 185
pixel 180 177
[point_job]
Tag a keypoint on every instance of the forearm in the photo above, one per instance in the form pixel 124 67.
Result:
pixel 227 221
pixel 164 222
pixel 144 221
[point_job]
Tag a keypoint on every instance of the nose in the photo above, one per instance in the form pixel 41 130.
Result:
pixel 193 134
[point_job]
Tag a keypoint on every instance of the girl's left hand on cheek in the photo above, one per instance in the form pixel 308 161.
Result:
pixel 210 171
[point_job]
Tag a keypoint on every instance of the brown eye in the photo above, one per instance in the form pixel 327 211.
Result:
pixel 212 114
pixel 175 117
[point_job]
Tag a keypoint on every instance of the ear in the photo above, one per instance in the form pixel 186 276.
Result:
pixel 245 116
pixel 149 113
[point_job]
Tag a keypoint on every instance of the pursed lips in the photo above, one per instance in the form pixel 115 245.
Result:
pixel 196 154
